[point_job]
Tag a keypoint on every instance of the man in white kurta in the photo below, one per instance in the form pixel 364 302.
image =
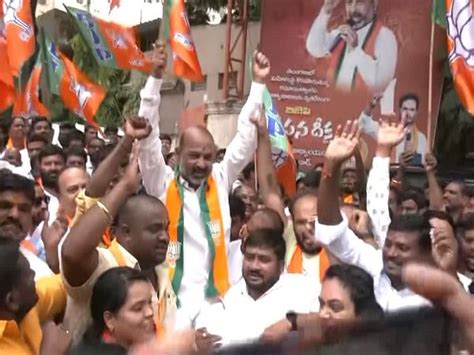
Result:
pixel 157 177
pixel 375 65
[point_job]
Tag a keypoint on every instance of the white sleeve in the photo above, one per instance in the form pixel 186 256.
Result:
pixel 377 71
pixel 348 248
pixel 319 40
pixel 241 149
pixel 368 125
pixel 378 184
pixel 153 168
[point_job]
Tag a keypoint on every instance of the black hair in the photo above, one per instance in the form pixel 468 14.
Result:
pixel 360 285
pixel 75 135
pixel 248 170
pixel 110 130
pixel 300 195
pixel 266 238
pixel 414 224
pixel 274 218
pixel 50 150
pixel 109 295
pixel 415 195
pixel 462 185
pixel 445 216
pixel 9 122
pixel 9 265
pixel 409 96
pixel 311 179
pixel 37 119
pixel 67 125
pixel 466 224
pixel 33 137
pixel 76 151
pixel 165 137
pixel 237 207
pixel 88 127
pixel 18 183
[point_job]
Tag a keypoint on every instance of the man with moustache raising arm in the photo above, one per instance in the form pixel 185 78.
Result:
pixel 196 194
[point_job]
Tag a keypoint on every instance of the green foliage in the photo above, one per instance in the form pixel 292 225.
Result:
pixel 122 96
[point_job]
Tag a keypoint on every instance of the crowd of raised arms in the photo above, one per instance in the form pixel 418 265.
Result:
pixel 130 247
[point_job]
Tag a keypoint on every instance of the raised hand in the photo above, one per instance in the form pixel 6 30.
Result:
pixel 159 58
pixel 330 5
pixel 261 124
pixel 349 35
pixel 390 134
pixel 137 128
pixel 261 67
pixel 132 178
pixel 344 144
pixel 430 162
pixel 444 245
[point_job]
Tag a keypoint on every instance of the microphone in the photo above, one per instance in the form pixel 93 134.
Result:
pixel 338 38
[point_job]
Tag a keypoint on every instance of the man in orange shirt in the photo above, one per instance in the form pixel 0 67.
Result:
pixel 24 305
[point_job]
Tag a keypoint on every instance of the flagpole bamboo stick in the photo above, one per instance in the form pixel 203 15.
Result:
pixel 430 88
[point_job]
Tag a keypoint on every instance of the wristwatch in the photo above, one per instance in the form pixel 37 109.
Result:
pixel 292 317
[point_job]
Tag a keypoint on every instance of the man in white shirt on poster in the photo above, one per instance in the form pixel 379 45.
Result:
pixel 196 194
pixel 263 297
pixel 414 141
pixel 363 52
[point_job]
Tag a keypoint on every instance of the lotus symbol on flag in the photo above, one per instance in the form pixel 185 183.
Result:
pixel 83 96
pixel 461 31
pixel 11 16
pixel 184 40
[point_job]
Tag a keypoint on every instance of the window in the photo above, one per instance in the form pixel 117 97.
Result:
pixel 232 80
pixel 199 85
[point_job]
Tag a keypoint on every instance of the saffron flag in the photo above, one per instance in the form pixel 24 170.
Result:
pixel 28 103
pixel 177 29
pixel 79 94
pixel 282 154
pixel 113 4
pixel 460 30
pixel 19 33
pixel 7 91
pixel 111 44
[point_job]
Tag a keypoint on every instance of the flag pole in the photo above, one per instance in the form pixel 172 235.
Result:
pixel 430 88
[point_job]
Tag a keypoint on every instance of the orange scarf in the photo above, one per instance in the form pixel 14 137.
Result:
pixel 218 282
pixel 120 259
pixel 29 246
pixel 337 57
pixel 296 263
pixel 10 144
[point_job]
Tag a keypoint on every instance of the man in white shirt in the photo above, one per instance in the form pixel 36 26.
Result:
pixel 197 195
pixel 363 53
pixel 407 239
pixel 261 299
pixel 414 141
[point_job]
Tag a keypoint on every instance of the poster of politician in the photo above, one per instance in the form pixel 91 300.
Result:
pixel 334 60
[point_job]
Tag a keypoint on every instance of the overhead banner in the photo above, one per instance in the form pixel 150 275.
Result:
pixel 336 60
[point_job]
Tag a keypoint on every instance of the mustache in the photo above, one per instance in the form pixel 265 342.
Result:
pixel 10 221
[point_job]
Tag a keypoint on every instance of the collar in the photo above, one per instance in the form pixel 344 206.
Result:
pixel 128 258
pixel 186 185
pixel 274 287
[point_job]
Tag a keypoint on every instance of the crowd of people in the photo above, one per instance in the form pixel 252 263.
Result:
pixel 120 245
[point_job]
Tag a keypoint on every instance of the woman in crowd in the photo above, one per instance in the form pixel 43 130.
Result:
pixel 122 312
pixel 347 292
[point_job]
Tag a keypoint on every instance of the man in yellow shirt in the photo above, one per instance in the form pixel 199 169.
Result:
pixel 24 305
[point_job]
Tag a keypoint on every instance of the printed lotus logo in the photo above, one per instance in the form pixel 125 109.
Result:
pixel 11 9
pixel 461 31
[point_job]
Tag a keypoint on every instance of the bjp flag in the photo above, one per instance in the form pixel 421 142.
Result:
pixel 19 33
pixel 28 102
pixel 460 21
pixel 6 79
pixel 78 93
pixel 111 44
pixel 177 29
pixel 282 153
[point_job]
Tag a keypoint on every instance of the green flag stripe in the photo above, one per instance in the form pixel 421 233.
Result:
pixel 92 34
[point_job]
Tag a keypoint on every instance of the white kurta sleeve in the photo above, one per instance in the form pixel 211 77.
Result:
pixel 153 168
pixel 319 40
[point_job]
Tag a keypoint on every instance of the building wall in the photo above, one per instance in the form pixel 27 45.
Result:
pixel 130 12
